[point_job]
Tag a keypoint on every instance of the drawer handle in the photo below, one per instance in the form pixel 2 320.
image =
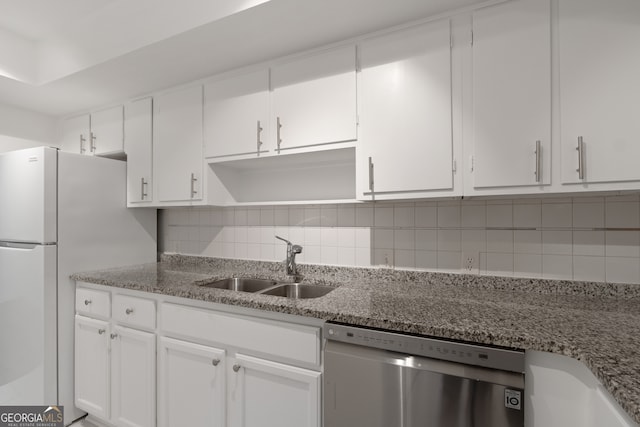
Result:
pixel 236 368
pixel 129 310
pixel 114 336
pixel 87 302
pixel 101 331
pixel 215 362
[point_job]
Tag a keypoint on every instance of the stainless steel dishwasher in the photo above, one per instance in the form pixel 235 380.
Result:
pixel 375 378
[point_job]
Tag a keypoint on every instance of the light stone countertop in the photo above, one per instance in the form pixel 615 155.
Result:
pixel 595 323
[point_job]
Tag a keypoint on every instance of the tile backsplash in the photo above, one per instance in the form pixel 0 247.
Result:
pixel 581 238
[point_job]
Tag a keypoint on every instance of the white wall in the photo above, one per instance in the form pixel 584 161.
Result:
pixel 559 238
pixel 23 129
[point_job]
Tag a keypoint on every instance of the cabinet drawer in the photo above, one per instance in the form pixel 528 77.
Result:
pixel 93 303
pixel 280 339
pixel 134 311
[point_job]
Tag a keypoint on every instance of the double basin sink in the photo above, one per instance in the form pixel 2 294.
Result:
pixel 271 287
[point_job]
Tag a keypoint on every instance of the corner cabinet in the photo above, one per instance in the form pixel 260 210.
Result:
pixel 511 47
pixel 599 90
pixel 314 100
pixel 406 146
pixel 177 145
pixel 138 144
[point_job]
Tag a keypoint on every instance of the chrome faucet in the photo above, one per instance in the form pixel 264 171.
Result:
pixel 290 263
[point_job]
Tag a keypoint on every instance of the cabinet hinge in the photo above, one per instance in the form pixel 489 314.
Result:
pixel 471 37
pixel 471 163
pixel 455 166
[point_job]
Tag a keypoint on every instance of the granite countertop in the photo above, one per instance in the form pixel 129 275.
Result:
pixel 595 323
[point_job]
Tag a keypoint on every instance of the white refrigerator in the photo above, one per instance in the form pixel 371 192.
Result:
pixel 60 213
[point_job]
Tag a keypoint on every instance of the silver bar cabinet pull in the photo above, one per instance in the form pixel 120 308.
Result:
pixel 143 193
pixel 258 134
pixel 278 127
pixel 193 185
pixel 370 175
pixel 82 141
pixel 580 150
pixel 92 145
pixel 538 158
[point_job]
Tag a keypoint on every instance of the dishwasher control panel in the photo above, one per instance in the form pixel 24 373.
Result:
pixel 470 354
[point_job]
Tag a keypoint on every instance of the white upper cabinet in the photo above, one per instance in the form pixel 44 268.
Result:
pixel 76 133
pixel 406 129
pixel 236 115
pixel 512 94
pixel 178 153
pixel 107 131
pixel 138 146
pixel 99 133
pixel 314 100
pixel 599 90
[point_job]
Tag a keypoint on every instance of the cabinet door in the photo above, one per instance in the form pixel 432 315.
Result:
pixel 264 393
pixel 92 366
pixel 133 390
pixel 236 115
pixel 177 145
pixel 107 131
pixel 191 385
pixel 512 94
pixel 138 146
pixel 76 134
pixel 406 111
pixel 314 100
pixel 599 90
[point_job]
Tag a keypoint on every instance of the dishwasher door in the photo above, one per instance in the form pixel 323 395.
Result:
pixel 366 387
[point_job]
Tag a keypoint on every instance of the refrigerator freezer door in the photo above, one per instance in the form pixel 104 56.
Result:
pixel 28 364
pixel 28 195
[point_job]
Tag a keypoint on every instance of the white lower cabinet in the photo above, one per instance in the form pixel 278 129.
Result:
pixel 191 384
pixel 115 373
pixel 258 373
pixel 92 366
pixel 196 367
pixel 115 366
pixel 133 375
pixel 265 393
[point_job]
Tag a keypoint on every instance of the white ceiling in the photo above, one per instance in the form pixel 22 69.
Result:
pixel 66 56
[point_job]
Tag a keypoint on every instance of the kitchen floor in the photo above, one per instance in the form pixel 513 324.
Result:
pixel 83 423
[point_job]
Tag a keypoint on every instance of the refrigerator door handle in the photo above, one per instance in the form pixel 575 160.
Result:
pixel 17 245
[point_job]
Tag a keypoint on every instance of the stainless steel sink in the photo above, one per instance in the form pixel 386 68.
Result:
pixel 297 290
pixel 242 284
